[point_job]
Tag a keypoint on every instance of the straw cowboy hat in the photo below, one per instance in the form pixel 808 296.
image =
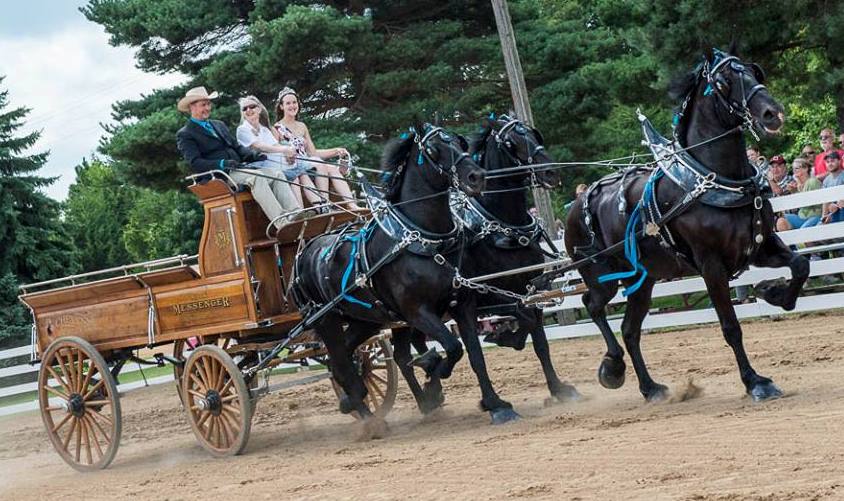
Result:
pixel 194 95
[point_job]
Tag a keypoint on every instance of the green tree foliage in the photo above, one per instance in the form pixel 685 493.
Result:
pixel 34 245
pixel 366 69
pixel 162 224
pixel 96 210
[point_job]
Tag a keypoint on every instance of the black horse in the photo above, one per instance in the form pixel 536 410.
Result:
pixel 411 242
pixel 717 218
pixel 504 236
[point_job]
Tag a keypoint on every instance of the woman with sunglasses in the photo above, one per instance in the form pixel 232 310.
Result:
pixel 254 132
pixel 296 134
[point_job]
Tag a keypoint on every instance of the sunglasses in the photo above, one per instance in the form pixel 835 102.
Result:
pixel 249 107
pixel 825 137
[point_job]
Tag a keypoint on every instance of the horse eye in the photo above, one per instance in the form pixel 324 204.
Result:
pixel 521 129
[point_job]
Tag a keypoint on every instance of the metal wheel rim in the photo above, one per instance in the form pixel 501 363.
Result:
pixel 81 409
pixel 216 401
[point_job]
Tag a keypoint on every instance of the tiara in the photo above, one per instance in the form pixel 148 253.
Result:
pixel 286 91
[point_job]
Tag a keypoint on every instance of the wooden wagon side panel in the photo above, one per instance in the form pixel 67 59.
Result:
pixel 202 306
pixel 108 325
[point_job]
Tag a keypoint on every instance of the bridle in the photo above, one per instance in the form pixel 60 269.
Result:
pixel 426 152
pixel 716 84
pixel 505 142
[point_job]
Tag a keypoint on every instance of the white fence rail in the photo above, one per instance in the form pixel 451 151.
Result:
pixel 654 320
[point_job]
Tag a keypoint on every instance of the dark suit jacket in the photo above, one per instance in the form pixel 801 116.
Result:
pixel 203 151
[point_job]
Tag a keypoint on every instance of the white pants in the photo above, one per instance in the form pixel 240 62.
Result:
pixel 274 196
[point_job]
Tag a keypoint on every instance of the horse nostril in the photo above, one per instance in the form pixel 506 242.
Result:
pixel 475 177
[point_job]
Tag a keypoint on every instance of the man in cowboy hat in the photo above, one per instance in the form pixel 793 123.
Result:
pixel 208 145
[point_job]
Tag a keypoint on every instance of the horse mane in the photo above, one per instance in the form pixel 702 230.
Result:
pixel 395 155
pixel 478 140
pixel 678 89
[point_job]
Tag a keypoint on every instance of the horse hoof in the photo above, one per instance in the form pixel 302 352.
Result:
pixel 611 373
pixel 507 339
pixel 566 393
pixel 346 406
pixel 765 391
pixel 504 415
pixel 658 393
pixel 428 361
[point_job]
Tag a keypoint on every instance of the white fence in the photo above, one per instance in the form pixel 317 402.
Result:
pixel 654 320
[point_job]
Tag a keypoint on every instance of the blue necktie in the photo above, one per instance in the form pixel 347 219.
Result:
pixel 205 125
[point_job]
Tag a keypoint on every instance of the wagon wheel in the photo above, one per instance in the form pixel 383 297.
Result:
pixel 380 375
pixel 79 404
pixel 179 354
pixel 217 402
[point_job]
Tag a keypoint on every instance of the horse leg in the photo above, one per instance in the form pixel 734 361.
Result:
pixel 717 285
pixel 429 324
pixel 774 254
pixel 532 318
pixel 499 410
pixel 401 353
pixel 631 331
pixel 343 371
pixel 611 370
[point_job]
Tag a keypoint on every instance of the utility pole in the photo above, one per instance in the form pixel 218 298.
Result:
pixel 520 99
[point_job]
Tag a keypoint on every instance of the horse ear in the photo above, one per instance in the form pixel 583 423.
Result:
pixel 709 54
pixel 538 135
pixel 758 72
pixel 419 126
pixel 733 49
pixel 464 144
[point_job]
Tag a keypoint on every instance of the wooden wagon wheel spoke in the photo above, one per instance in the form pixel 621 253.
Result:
pixel 66 442
pixel 90 424
pixel 87 440
pixel 373 375
pixel 105 419
pixel 94 389
pixel 195 380
pixel 374 387
pixel 97 403
pixel 220 408
pixel 56 392
pixel 80 369
pixel 203 419
pixel 61 423
pixel 92 369
pixel 226 387
pixel 99 428
pixel 196 393
pixel 58 379
pixel 67 376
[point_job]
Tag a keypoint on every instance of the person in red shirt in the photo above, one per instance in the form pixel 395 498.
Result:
pixel 827 144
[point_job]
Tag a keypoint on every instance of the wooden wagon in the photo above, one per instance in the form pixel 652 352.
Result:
pixel 221 311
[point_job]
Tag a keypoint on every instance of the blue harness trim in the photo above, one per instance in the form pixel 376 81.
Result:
pixel 631 245
pixel 359 237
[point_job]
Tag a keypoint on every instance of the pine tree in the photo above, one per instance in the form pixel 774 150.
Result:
pixel 33 243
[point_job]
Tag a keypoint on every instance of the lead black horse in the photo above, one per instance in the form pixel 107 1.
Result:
pixel 411 242
pixel 704 211
pixel 504 236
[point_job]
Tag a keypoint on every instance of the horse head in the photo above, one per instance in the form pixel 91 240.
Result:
pixel 739 90
pixel 520 144
pixel 440 159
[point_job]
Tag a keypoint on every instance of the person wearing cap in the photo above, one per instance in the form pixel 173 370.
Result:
pixel 297 135
pixel 832 211
pixel 779 180
pixel 827 138
pixel 208 145
pixel 806 216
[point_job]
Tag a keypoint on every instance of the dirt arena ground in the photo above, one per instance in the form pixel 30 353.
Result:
pixel 612 445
